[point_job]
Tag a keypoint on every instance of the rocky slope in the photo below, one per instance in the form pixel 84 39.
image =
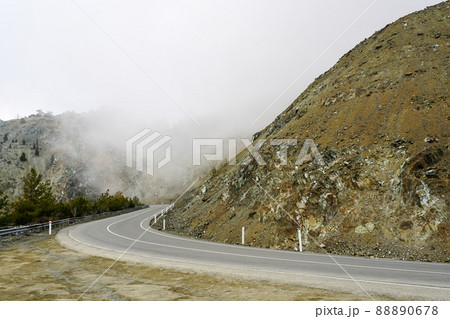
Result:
pixel 36 137
pixel 380 120
pixel 75 160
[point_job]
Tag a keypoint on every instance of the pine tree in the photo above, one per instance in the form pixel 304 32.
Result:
pixel 23 157
pixel 37 199
pixel 5 219
pixel 3 201
pixel 34 189
pixel 36 151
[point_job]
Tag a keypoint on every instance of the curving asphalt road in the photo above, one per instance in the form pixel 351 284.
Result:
pixel 129 237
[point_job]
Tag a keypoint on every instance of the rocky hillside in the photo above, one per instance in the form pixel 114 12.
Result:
pixel 32 143
pixel 380 120
pixel 75 160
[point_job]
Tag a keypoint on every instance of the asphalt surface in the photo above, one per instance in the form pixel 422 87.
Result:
pixel 130 236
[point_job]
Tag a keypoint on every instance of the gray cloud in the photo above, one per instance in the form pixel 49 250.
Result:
pixel 224 61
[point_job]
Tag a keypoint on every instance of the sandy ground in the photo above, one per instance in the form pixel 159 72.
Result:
pixel 38 268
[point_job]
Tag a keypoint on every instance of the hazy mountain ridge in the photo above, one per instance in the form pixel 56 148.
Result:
pixel 79 158
pixel 24 136
pixel 380 120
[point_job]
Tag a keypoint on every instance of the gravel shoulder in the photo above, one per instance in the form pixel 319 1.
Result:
pixel 39 268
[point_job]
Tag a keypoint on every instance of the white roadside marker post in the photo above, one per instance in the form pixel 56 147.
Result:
pixel 50 227
pixel 164 224
pixel 300 248
pixel 155 219
pixel 243 235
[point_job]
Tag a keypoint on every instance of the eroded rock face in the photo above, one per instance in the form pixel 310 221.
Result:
pixel 379 118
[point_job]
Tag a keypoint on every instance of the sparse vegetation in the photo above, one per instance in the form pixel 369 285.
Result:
pixel 107 202
pixel 4 210
pixel 80 206
pixel 38 204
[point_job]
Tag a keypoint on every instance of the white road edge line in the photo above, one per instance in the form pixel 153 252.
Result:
pixel 338 278
pixel 218 265
pixel 115 261
pixel 253 269
pixel 150 230
pixel 205 242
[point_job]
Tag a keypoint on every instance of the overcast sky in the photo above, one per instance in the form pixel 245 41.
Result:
pixel 223 61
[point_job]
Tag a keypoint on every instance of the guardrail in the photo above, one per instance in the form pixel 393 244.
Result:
pixel 160 214
pixel 36 228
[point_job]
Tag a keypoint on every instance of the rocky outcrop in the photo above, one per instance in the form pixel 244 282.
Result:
pixel 379 118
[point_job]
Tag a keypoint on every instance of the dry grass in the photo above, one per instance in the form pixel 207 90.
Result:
pixel 38 268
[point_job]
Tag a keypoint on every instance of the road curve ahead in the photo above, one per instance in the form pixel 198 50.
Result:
pixel 129 238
